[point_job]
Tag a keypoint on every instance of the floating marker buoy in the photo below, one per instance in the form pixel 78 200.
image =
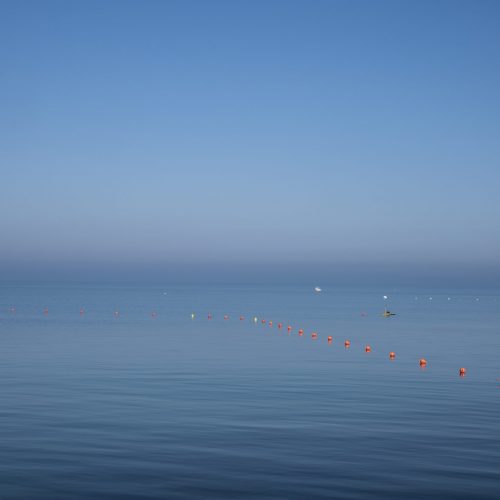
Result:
pixel 270 323
pixel 192 315
pixel 289 328
pixel 314 335
pixel 81 311
pixel 209 316
pixel 392 355
pixel 226 316
pixel 423 363
pixel 329 339
pixel 242 318
pixel 46 310
pixel 462 372
pixel 280 325
pixel 263 321
pixel 301 332
pixel 368 348
pixel 347 343
pixel 255 319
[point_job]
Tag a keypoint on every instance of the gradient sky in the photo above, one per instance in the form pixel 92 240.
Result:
pixel 247 131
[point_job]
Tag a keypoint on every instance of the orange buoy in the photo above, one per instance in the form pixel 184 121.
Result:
pixel 368 348
pixel 263 321
pixel 347 343
pixel 270 323
pixel 242 318
pixel 301 332
pixel 462 372
pixel 329 339
pixel 423 363
pixel 280 325
pixel 314 335
pixel 289 328
pixel 392 355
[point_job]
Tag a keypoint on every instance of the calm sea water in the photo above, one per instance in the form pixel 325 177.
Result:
pixel 98 405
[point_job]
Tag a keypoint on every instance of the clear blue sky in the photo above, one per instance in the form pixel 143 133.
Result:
pixel 250 132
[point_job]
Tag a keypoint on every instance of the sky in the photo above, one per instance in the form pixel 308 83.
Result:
pixel 262 134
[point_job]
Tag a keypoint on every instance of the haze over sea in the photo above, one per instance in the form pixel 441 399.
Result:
pixel 163 159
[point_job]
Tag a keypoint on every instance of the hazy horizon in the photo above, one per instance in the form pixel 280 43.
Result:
pixel 431 275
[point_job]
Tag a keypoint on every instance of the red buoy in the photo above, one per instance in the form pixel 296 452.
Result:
pixel 242 318
pixel 347 343
pixel 301 332
pixel 329 339
pixel 462 372
pixel 280 325
pixel 289 328
pixel 314 335
pixel 423 363
pixel 368 348
pixel 270 323
pixel 392 355
pixel 263 321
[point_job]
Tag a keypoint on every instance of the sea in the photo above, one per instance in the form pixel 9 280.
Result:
pixel 134 391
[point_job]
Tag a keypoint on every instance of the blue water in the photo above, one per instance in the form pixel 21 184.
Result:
pixel 100 405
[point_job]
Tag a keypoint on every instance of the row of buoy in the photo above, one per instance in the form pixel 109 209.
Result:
pixel 314 335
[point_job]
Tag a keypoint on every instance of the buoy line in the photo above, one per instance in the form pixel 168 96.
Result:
pixel 462 372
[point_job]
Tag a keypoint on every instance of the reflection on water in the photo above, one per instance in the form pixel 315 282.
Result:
pixel 137 405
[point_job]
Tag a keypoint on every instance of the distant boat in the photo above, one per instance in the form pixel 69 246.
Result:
pixel 317 289
pixel 387 313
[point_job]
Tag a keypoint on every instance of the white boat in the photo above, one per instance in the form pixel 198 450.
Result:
pixel 317 289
